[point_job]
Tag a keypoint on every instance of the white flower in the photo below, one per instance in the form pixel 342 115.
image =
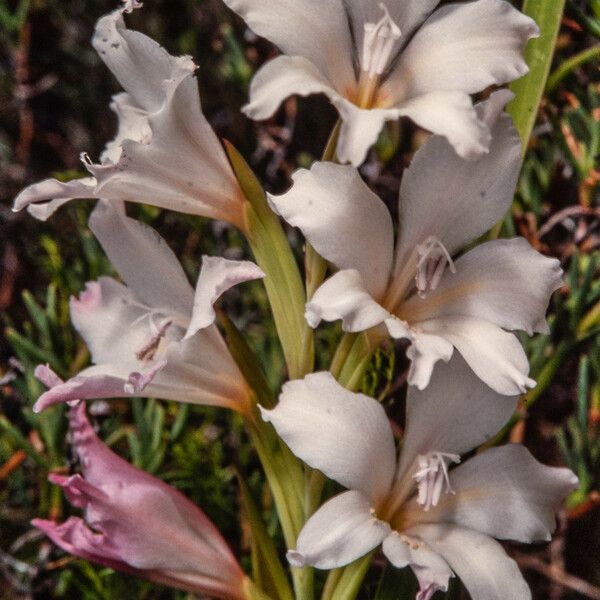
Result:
pixel 436 520
pixel 165 152
pixel 418 291
pixel 377 61
pixel 154 337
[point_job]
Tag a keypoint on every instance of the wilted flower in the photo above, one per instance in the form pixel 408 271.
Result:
pixel 435 519
pixel 138 524
pixel 153 337
pixel 377 61
pixel 165 152
pixel 421 293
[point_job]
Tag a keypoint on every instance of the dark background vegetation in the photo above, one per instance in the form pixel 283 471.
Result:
pixel 54 96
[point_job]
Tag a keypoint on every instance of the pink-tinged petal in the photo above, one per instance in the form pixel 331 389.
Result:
pixel 142 258
pixel 505 282
pixel 216 277
pixel 47 376
pixel 480 562
pixel 424 353
pixel 343 220
pixel 495 355
pixel 452 116
pixel 431 570
pixel 282 77
pixel 44 198
pixel 93 383
pixel 455 200
pixel 182 547
pixel 466 47
pixel 140 64
pixel 505 493
pixel 344 296
pixel 454 414
pixel 345 435
pixel 341 531
pixel 182 168
pixel 316 31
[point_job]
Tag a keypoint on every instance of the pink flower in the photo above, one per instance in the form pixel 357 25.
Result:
pixel 138 524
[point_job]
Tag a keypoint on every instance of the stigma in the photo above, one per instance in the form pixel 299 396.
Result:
pixel 432 260
pixel 378 44
pixel 432 477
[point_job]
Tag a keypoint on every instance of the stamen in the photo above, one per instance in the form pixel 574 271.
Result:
pixel 431 264
pixel 148 351
pixel 378 44
pixel 432 477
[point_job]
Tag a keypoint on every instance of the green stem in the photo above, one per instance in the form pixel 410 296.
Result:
pixel 566 67
pixel 350 579
pixel 538 55
pixel 15 434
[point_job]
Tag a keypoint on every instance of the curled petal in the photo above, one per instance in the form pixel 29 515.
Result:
pixel 424 352
pixel 343 434
pixel 341 531
pixel 344 296
pixel 216 277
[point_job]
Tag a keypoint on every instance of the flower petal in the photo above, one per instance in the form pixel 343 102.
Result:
pixel 495 356
pixel 44 198
pixel 424 352
pixel 480 562
pixel 317 31
pixel 505 282
pixel 431 570
pixel 341 531
pixel 343 434
pixel 343 220
pixel 216 277
pixel 454 414
pixel 142 258
pixel 183 167
pixel 456 200
pixel 465 46
pixel 344 296
pixel 140 64
pixel 505 493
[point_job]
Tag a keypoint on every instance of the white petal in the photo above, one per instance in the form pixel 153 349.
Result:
pixel 495 355
pixel 280 78
pixel 44 198
pixel 505 282
pixel 424 352
pixel 142 258
pixel 465 47
pixel 345 435
pixel 317 31
pixel 216 277
pixel 359 130
pixel 341 531
pixel 344 296
pixel 140 64
pixel 182 168
pixel 480 562
pixel 454 414
pixel 431 569
pixel 449 114
pixel 505 493
pixel 456 200
pixel 343 220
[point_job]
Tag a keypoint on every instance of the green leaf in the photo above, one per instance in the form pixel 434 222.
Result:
pixel 530 89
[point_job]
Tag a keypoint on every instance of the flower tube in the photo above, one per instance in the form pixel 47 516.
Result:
pixel 138 524
pixel 378 61
pixel 420 290
pixel 155 336
pixel 436 519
